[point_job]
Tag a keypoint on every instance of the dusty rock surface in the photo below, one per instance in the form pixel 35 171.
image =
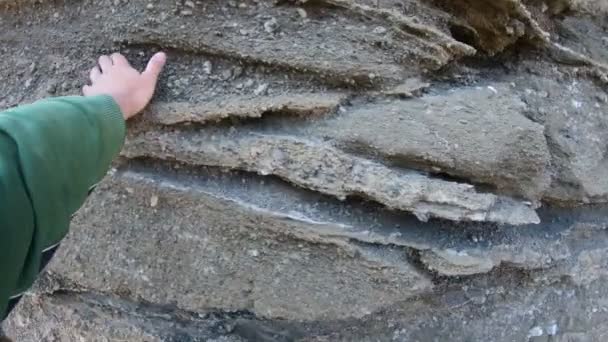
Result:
pixel 332 170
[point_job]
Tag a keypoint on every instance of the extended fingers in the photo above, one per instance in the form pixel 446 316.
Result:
pixel 86 90
pixel 155 65
pixel 119 59
pixel 105 63
pixel 94 74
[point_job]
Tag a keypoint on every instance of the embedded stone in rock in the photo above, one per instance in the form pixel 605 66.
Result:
pixel 322 168
pixel 479 134
pixel 409 88
pixel 460 261
pixel 451 262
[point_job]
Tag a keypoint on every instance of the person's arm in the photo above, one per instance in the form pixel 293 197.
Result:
pixel 52 153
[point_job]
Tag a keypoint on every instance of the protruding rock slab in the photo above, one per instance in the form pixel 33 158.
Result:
pixel 322 168
pixel 169 113
pixel 479 134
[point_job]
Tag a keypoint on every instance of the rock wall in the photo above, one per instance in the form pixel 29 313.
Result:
pixel 332 170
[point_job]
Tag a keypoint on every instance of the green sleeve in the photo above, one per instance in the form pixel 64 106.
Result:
pixel 52 153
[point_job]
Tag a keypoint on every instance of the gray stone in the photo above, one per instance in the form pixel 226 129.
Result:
pixel 186 259
pixel 322 168
pixel 576 127
pixel 479 134
pixel 170 113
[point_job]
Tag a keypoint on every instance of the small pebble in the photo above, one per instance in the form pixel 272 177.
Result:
pixel 535 332
pixel 52 88
pixel 302 13
pixel 261 89
pixel 189 4
pixel 150 6
pixel 237 72
pixel 271 26
pixel 226 74
pixel 379 30
pixel 207 68
pixel 552 329
pixel 544 7
pixel 154 201
pixel 186 13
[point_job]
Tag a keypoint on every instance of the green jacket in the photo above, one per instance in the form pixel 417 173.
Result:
pixel 52 154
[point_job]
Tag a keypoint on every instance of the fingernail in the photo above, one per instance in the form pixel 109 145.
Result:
pixel 160 56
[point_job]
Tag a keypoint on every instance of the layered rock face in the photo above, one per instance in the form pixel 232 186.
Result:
pixel 332 170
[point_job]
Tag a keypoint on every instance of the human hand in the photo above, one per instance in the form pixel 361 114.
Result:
pixel 131 90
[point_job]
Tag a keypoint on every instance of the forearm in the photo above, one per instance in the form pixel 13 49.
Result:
pixel 59 148
pixel 66 140
pixel 61 122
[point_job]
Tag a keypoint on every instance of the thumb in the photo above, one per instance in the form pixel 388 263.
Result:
pixel 155 65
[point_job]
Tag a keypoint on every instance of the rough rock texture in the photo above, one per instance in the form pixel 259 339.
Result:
pixel 332 170
pixel 328 171
pixel 171 113
pixel 479 134
pixel 191 248
pixel 85 317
